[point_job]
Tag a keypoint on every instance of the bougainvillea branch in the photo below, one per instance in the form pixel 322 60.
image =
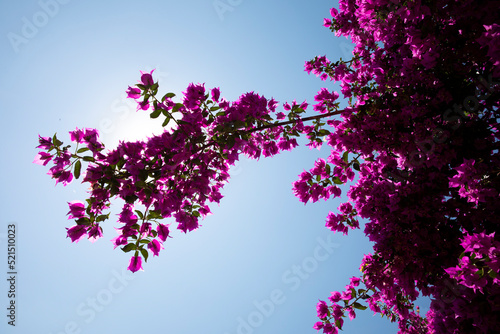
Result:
pixel 175 174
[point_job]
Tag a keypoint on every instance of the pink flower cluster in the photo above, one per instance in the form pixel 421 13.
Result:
pixel 479 264
pixel 412 80
pixel 470 185
pixel 172 175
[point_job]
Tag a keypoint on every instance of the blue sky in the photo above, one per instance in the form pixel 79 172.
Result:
pixel 260 263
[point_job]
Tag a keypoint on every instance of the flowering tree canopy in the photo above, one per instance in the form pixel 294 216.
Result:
pixel 421 131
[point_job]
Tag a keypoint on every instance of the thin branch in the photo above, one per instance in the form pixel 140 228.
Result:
pixel 296 120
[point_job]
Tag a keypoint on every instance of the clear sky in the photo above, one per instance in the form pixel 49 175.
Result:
pixel 260 263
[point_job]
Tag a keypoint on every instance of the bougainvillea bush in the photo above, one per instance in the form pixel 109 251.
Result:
pixel 421 131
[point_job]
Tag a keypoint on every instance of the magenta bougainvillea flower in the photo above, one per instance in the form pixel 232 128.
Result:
pixel 147 78
pixel 76 135
pixel 133 93
pixel 45 143
pixel 135 264
pixel 155 246
pixel 119 240
pixel 76 209
pixel 163 232
pixel 322 309
pixel 42 158
pixel 77 232
pixel 94 233
pixel 215 94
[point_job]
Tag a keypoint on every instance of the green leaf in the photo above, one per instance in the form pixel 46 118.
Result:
pixel 214 108
pixel 83 221
pixel 230 142
pixel 139 213
pixel 328 169
pixel 140 184
pixel 167 96
pixel 145 254
pixel 55 141
pixel 153 215
pixel 155 113
pixel 177 107
pixel 356 166
pixel 338 324
pixel 239 124
pixel 492 273
pixel 129 247
pixel 144 241
pixel 359 306
pixel 147 192
pixel 89 159
pixel 78 168
pixel 166 121
pixel 83 149
pixel 120 163
pixel 345 156
pixel 336 180
pixel 101 218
